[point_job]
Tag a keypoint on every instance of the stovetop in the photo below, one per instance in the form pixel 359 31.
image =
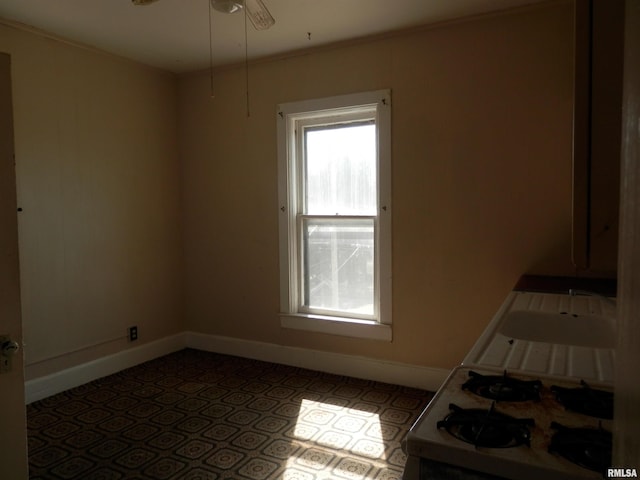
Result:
pixel 535 454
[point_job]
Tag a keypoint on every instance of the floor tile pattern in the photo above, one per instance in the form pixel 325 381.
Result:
pixel 195 415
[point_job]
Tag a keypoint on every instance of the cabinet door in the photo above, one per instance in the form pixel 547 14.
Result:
pixel 606 125
pixel 599 43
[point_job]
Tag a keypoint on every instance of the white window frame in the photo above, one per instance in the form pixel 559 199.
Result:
pixel 289 117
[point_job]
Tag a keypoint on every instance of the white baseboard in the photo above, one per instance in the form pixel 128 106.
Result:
pixel 350 365
pixel 415 376
pixel 43 387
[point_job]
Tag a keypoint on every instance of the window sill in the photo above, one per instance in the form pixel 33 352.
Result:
pixel 337 326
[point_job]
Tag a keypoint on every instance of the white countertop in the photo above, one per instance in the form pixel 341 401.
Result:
pixel 493 349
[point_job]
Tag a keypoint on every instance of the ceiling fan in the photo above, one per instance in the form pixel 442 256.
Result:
pixel 256 10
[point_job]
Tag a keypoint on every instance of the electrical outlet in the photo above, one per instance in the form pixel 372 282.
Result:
pixel 133 333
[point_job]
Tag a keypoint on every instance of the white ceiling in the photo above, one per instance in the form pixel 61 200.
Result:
pixel 174 34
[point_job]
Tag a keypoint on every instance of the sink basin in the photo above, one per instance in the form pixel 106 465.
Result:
pixel 563 328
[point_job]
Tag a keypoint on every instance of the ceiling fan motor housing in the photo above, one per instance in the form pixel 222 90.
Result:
pixel 227 6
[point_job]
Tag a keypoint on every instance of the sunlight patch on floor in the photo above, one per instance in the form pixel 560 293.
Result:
pixel 331 440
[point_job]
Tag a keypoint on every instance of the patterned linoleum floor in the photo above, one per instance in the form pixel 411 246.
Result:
pixel 195 415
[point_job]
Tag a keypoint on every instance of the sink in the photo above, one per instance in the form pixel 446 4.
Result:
pixel 563 328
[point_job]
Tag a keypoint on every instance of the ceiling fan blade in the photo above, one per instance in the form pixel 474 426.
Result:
pixel 142 2
pixel 259 14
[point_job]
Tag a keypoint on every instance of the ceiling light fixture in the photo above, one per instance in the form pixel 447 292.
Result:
pixel 256 11
pixel 227 6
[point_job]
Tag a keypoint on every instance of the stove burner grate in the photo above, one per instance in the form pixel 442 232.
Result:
pixel 486 428
pixel 588 447
pixel 503 387
pixel 586 400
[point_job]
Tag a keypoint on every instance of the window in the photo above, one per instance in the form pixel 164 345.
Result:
pixel 335 214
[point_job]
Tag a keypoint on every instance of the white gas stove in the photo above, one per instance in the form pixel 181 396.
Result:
pixel 513 426
pixel 500 432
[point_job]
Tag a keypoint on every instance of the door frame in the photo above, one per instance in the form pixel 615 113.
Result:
pixel 13 432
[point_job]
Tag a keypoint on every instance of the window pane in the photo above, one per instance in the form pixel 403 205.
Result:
pixel 338 265
pixel 340 169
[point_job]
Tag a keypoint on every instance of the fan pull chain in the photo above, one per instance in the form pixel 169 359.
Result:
pixel 210 54
pixel 246 58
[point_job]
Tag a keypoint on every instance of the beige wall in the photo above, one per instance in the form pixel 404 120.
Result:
pixel 481 179
pixel 481 187
pixel 97 176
